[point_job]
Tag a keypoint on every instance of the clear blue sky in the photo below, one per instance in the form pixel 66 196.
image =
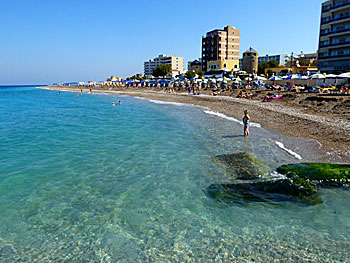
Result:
pixel 75 40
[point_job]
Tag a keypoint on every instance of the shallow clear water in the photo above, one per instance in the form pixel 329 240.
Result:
pixel 83 181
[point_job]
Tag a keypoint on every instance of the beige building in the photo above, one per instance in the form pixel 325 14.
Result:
pixel 195 65
pixel 220 49
pixel 250 61
pixel 334 42
pixel 177 63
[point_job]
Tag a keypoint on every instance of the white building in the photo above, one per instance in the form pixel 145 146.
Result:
pixel 282 59
pixel 176 63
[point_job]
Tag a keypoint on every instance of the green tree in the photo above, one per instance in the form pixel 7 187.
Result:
pixel 273 64
pixel 261 67
pixel 200 74
pixel 190 74
pixel 270 64
pixel 162 70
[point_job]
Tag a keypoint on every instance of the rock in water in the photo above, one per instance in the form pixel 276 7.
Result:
pixel 274 191
pixel 319 173
pixel 242 165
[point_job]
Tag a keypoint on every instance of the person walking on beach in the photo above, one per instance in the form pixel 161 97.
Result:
pixel 246 123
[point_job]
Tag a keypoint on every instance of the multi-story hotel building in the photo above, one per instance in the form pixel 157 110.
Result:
pixel 177 64
pixel 334 42
pixel 220 49
pixel 282 59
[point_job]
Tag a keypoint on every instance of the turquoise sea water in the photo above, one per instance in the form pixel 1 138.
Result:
pixel 81 181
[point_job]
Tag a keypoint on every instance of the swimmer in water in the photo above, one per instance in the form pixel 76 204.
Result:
pixel 119 102
pixel 113 104
pixel 246 123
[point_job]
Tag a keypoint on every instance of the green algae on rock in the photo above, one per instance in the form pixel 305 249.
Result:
pixel 242 165
pixel 266 191
pixel 320 173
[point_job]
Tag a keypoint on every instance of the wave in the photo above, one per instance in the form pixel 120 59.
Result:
pixel 279 144
pixel 170 103
pixel 221 115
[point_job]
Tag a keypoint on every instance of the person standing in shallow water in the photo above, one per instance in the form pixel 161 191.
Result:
pixel 246 123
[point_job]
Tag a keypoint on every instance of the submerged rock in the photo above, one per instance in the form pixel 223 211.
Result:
pixel 242 165
pixel 319 173
pixel 274 191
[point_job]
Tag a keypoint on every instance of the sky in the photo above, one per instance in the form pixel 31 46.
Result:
pixel 43 42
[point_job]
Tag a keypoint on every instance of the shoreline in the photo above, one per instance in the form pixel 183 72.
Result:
pixel 330 130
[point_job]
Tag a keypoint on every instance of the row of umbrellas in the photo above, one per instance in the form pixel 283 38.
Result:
pixel 315 76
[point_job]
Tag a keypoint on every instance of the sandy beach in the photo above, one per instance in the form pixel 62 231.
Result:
pixel 324 118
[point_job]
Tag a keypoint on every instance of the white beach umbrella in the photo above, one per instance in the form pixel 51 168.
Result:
pixel 318 76
pixel 260 78
pixel 344 75
pixel 304 77
pixel 220 79
pixel 331 76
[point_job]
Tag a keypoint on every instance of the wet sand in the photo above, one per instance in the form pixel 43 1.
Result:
pixel 324 118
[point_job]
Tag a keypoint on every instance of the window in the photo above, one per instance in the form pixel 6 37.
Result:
pixel 224 65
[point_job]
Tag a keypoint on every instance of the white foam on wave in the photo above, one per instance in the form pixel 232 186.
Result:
pixel 221 115
pixel 170 103
pixel 279 144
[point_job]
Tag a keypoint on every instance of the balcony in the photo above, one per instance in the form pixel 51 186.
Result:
pixel 335 44
pixel 324 22
pixel 335 6
pixel 336 31
pixel 335 56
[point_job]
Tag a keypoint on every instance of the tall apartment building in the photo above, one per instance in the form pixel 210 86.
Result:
pixel 220 49
pixel 177 64
pixel 334 41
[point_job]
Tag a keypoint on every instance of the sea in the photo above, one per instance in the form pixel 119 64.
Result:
pixel 83 181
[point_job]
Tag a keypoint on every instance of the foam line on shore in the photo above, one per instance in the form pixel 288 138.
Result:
pixel 279 144
pixel 221 115
pixel 171 103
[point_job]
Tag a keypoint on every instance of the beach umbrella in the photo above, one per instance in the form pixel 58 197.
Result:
pixel 344 75
pixel 294 76
pixel 260 78
pixel 304 77
pixel 274 78
pixel 220 79
pixel 318 76
pixel 331 76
